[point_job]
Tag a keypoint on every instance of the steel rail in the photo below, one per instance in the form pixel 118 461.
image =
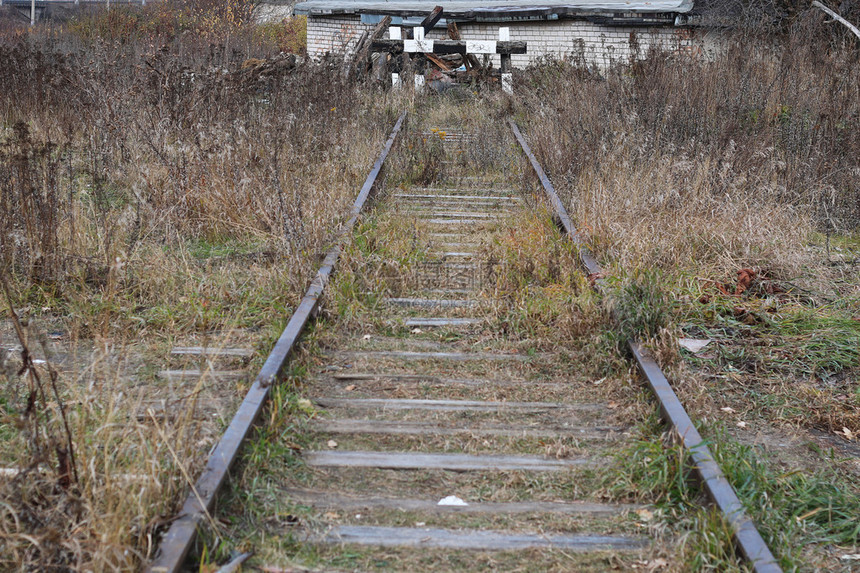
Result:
pixel 177 541
pixel 747 538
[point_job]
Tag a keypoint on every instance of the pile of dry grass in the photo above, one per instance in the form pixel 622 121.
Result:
pixel 722 165
pixel 150 190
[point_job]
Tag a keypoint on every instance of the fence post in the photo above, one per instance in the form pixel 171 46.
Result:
pixel 394 33
pixel 507 76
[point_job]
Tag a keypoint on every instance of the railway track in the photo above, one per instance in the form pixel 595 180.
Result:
pixel 435 442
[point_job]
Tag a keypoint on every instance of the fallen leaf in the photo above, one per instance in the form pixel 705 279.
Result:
pixel 332 444
pixel 331 515
pixel 847 434
pixel 694 344
pixel 612 405
pixel 599 382
pixel 350 388
pixel 645 514
pixel 594 277
pixel 745 278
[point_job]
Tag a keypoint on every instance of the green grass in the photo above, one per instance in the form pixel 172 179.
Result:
pixel 639 304
pixel 793 510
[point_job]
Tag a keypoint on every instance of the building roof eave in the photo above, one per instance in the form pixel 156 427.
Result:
pixel 494 10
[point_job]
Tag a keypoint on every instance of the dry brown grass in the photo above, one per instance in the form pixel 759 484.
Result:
pixel 153 194
pixel 713 165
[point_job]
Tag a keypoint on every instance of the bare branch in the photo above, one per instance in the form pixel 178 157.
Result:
pixel 837 17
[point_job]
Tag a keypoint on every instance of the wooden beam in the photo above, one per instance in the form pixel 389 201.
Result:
pixel 469 61
pixel 362 62
pixel 443 47
pixel 432 19
pixel 442 64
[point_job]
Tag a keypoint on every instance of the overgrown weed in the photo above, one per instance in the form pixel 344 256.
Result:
pixel 173 186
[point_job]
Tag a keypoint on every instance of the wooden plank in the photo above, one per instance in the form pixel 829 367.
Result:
pixel 337 501
pixel 457 254
pixel 425 205
pixel 449 405
pixel 455 356
pixel 471 191
pixel 422 214
pixel 458 198
pixel 449 266
pixel 430 302
pixel 476 539
pixel 445 47
pixel 442 64
pixel 213 351
pixel 354 426
pixel 432 19
pixel 453 462
pixel 196 374
pixel 431 379
pixel 438 221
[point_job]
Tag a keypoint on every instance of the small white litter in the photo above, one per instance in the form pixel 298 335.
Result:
pixel 850 557
pixel 367 337
pixel 451 500
pixel 694 344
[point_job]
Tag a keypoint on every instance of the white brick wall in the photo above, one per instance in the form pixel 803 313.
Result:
pixel 594 44
pixel 336 34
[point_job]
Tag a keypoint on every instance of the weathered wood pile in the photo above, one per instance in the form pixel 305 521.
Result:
pixel 377 58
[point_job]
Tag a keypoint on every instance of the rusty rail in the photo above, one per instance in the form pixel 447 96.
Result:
pixel 747 538
pixel 177 541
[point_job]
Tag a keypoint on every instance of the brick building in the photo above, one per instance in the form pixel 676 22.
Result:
pixel 599 33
